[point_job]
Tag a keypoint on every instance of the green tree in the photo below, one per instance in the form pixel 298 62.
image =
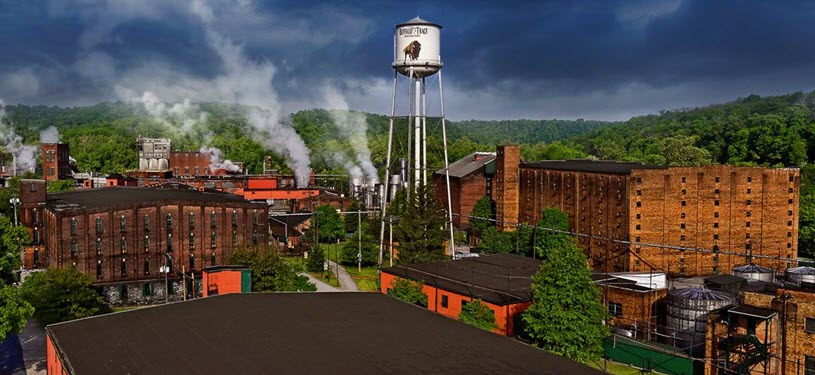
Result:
pixel 483 208
pixel 12 240
pixel 349 221
pixel 476 313
pixel 566 316
pixel 558 222
pixel 60 294
pixel 370 249
pixel 329 223
pixel 14 311
pixel 57 186
pixel 409 291
pixel 270 273
pixel 420 227
pixel 497 242
pixel 316 259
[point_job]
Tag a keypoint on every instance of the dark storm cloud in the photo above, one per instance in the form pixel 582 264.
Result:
pixel 600 59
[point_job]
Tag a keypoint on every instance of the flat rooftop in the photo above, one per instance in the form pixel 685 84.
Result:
pixel 469 164
pixel 590 166
pixel 124 195
pixel 500 278
pixel 293 333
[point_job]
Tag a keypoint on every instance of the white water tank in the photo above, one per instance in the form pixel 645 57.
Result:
pixel 417 48
pixel 800 275
pixel 754 272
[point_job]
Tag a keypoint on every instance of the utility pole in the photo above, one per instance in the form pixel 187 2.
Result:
pixel 184 282
pixel 359 230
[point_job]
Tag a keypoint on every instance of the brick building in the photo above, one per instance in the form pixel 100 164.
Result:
pixel 470 179
pixel 187 164
pixel 772 331
pixel 634 301
pixel 502 281
pixel 56 163
pixel 120 236
pixel 735 213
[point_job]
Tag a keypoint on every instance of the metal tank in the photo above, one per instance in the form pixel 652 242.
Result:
pixel 417 48
pixel 396 184
pixel 754 272
pixel 356 186
pixel 688 311
pixel 799 275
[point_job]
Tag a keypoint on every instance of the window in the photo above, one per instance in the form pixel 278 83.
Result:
pixel 147 289
pixel 748 190
pixel 717 179
pixel 170 243
pixel 98 269
pixel 35 188
pixel 682 215
pixel 444 301
pixel 748 246
pixel 122 224
pixel 715 214
pixel 789 223
pixel 169 222
pixel 716 202
pixel 213 222
pixel 234 236
pixel 255 217
pixel 716 224
pixel 234 218
pixel 747 224
pixel 789 201
pixel 748 213
pixel 749 179
pixel 147 266
pixel 146 223
pixel 192 262
pixel 615 309
pixel 98 246
pixel 74 249
pixel 175 171
pixel 639 180
pixel 789 213
pixel 192 221
pixel 123 245
pixel 192 241
pixel 789 234
pixel 790 191
pixel 749 202
pixel 639 192
pixel 639 204
pixel 747 235
pixel 809 365
pixel 810 325
pixel 684 203
pixel 98 225
pixel 636 239
pixel 186 170
pixel 682 226
pixel 789 245
pixel 792 178
pixel 197 170
pixel 36 239
pixel 123 267
pixel 715 236
pixel 638 227
pixel 716 191
pixel 73 226
pixel 684 192
pixel 146 243
pixel 255 237
pixel 212 239
pixel 715 248
pixel 684 180
pixel 212 259
pixel 682 237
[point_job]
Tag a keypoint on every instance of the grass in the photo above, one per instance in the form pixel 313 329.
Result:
pixel 367 280
pixel 617 368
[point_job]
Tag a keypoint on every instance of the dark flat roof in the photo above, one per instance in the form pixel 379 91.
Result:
pixel 724 280
pixel 590 166
pixel 751 311
pixel 123 195
pixel 500 278
pixel 294 333
pixel 468 164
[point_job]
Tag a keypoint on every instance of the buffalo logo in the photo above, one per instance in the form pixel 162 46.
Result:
pixel 412 50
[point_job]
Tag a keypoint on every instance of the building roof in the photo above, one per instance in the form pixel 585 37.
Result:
pixel 300 333
pixel 724 280
pixel 469 164
pixel 225 267
pixel 121 195
pixel 500 279
pixel 590 166
pixel 418 22
pixel 755 312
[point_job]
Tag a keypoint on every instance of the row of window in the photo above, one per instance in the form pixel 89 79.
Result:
pixel 146 265
pixel 169 218
pixel 146 243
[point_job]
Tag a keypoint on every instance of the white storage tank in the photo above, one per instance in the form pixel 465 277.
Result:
pixel 688 310
pixel 799 275
pixel 754 272
pixel 417 48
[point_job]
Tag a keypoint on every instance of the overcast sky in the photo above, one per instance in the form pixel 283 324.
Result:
pixel 539 59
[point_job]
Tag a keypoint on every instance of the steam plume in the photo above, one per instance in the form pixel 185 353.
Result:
pixel 49 135
pixel 22 154
pixel 216 162
pixel 353 126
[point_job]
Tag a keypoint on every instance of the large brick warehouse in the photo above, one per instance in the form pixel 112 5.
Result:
pixel 121 236
pixel 738 214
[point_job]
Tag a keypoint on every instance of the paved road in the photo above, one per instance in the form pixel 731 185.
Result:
pixel 321 285
pixel 347 283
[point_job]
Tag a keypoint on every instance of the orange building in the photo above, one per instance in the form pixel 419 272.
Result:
pixel 502 281
pixel 226 279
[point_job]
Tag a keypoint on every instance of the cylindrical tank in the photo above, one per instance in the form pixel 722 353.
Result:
pixel 688 310
pixel 403 171
pixel 396 184
pixel 355 186
pixel 800 275
pixel 417 48
pixel 754 272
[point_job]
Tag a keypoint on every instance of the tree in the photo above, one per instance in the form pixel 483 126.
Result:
pixel 60 294
pixel 12 240
pixel 497 242
pixel 349 221
pixel 558 222
pixel 329 223
pixel 57 186
pixel 409 291
pixel 483 208
pixel 420 229
pixel 316 259
pixel 476 313
pixel 14 311
pixel 566 316
pixel 370 249
pixel 270 273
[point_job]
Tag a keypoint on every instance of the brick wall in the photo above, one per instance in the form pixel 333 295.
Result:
pixel 55 161
pixel 189 163
pixel 506 186
pixel 639 308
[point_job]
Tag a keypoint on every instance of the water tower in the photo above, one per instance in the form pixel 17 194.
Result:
pixel 416 56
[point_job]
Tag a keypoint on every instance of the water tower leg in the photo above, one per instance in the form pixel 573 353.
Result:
pixel 424 132
pixel 409 159
pixel 417 136
pixel 384 203
pixel 446 169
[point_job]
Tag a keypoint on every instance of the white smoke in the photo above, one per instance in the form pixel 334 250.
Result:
pixel 180 118
pixel 49 135
pixel 353 126
pixel 23 159
pixel 216 162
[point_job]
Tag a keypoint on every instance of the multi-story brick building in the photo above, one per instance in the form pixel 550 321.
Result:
pixel 737 214
pixel 55 161
pixel 470 179
pixel 122 235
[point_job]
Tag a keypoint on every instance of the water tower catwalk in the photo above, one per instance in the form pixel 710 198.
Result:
pixel 417 56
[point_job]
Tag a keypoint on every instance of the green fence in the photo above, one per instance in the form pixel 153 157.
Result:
pixel 650 356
